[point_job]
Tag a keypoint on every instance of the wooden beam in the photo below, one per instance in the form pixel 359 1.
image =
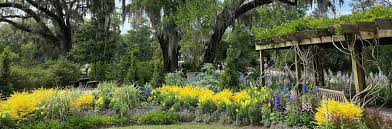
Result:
pixel 357 64
pixel 262 69
pixel 297 68
pixel 380 33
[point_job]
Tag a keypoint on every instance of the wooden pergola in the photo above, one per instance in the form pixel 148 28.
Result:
pixel 353 36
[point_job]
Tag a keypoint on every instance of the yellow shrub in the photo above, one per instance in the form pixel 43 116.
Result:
pixel 84 101
pixel 338 113
pixel 204 95
pixel 223 97
pixel 21 104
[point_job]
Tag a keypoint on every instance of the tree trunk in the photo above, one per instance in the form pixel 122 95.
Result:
pixel 168 39
pixel 222 22
pixel 227 18
pixel 66 40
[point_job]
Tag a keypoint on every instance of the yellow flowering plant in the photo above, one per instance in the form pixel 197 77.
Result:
pixel 338 113
pixel 82 102
pixel 21 105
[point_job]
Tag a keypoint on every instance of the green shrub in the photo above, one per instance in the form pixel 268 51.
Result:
pixel 105 90
pixel 93 121
pixel 255 115
pixel 5 80
pixel 59 72
pixel 125 98
pixel 7 123
pixel 30 77
pixel 207 78
pixel 64 71
pixel 158 118
pixel 231 75
pixel 176 78
pixel 78 122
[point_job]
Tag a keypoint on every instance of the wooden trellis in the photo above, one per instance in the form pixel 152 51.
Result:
pixel 353 35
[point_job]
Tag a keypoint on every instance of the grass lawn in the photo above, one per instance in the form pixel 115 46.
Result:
pixel 180 126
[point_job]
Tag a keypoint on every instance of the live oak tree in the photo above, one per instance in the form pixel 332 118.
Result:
pixel 238 8
pixel 171 19
pixel 51 19
pixel 162 17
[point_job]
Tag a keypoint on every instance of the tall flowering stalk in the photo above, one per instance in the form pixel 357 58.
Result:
pixel 316 89
pixel 285 90
pixel 277 100
pixel 147 92
pixel 304 88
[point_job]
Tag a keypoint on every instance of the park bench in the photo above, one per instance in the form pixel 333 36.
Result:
pixel 92 84
pixel 332 94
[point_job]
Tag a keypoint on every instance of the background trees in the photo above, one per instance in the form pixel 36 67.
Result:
pixel 51 19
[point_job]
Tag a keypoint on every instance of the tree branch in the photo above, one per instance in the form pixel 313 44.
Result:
pixel 293 3
pixel 16 16
pixel 45 10
pixel 28 29
pixel 250 5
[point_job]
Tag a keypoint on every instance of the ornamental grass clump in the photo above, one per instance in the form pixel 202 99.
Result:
pixel 125 98
pixel 58 106
pixel 339 114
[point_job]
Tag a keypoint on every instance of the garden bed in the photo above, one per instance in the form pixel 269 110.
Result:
pixel 130 105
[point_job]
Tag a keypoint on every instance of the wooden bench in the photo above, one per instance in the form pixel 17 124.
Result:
pixel 332 94
pixel 92 84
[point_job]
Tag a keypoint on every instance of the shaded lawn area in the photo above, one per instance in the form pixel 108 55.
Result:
pixel 179 126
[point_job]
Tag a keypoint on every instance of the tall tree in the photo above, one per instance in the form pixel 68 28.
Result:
pixel 238 8
pixel 162 17
pixel 53 19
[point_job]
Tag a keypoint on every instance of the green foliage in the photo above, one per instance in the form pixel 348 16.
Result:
pixel 207 78
pixel 255 115
pixel 7 123
pixel 176 78
pixel 5 67
pixel 136 60
pixel 230 75
pixel 125 98
pixel 158 118
pixel 296 118
pixel 105 90
pixel 64 71
pixel 88 48
pixel 58 72
pixel 77 122
pixel 311 23
pixel 31 77
pixel 156 78
pixel 58 106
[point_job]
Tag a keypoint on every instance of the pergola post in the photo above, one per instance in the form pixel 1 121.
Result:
pixel 297 63
pixel 262 69
pixel 357 65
